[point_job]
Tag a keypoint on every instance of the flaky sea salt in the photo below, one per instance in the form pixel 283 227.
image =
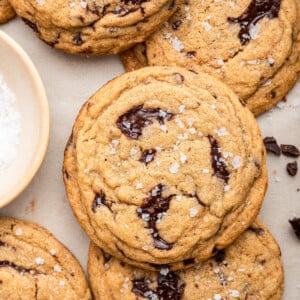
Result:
pixel 10 126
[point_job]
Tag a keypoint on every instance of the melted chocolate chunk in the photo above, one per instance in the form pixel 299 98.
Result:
pixel 152 210
pixel 137 118
pixel 217 161
pixel 176 24
pixel 189 261
pixel 53 43
pixel 32 25
pixel 77 40
pixel 220 256
pixel 256 10
pixel 147 156
pixel 271 145
pixel 191 54
pixel 169 287
pixel 295 223
pixel 171 6
pixel 107 257
pixel 290 150
pixel 5 263
pixel 258 231
pixel 292 168
pixel 100 199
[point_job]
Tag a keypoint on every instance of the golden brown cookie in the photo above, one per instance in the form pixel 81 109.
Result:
pixel 34 265
pixel 164 166
pixel 6 11
pixel 253 46
pixel 249 269
pixel 94 27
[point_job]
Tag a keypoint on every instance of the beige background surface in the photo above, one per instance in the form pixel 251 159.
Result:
pixel 69 81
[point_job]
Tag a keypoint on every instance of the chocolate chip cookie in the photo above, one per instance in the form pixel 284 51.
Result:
pixel 34 265
pixel 251 45
pixel 164 166
pixel 249 269
pixel 6 11
pixel 94 27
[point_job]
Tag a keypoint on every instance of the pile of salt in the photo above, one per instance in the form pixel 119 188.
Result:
pixel 10 126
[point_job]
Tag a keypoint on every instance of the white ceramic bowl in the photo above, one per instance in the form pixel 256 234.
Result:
pixel 22 78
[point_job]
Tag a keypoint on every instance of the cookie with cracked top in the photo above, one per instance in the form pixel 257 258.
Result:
pixel 35 265
pixel 249 269
pixel 6 11
pixel 94 27
pixel 164 165
pixel 251 45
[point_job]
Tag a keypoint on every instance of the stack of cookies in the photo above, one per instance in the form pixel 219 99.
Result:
pixel 165 168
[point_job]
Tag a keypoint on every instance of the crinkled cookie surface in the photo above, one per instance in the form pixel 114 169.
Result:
pixel 94 27
pixel 251 45
pixel 164 166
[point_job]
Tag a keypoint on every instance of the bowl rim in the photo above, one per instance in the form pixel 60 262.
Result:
pixel 40 152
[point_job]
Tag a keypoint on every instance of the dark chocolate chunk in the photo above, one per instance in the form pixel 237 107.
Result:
pixel 217 161
pixel 100 199
pixel 169 287
pixel 189 261
pixel 191 54
pixel 2 244
pixel 137 118
pixel 5 263
pixel 295 223
pixel 290 150
pixel 273 94
pixel 32 25
pixel 258 231
pixel 152 210
pixel 271 145
pixel 147 156
pixel 256 10
pixel 77 40
pixel 176 24
pixel 292 168
pixel 220 256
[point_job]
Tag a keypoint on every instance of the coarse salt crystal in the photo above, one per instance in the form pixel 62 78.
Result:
pixel 254 31
pixel 19 231
pixel 181 109
pixel 133 152
pixel 40 2
pixel 139 186
pixel 61 283
pixel 83 4
pixel 174 168
pixel 39 261
pixel 193 212
pixel 183 157
pixel 226 188
pixel 234 293
pixel 52 251
pixel 237 162
pixel 57 268
pixel 217 297
pixel 164 271
pixel 206 26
